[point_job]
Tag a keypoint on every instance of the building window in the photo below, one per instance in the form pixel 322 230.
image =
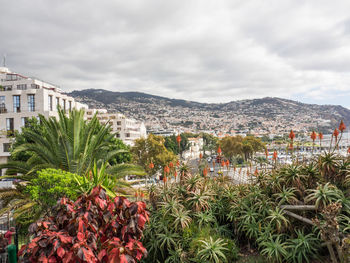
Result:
pixel 22 86
pixel 10 127
pixel 35 86
pixel 6 147
pixel 50 102
pixel 119 123
pixel 5 88
pixel 31 102
pixel 128 135
pixel 2 105
pixel 70 105
pixel 24 121
pixel 57 102
pixel 16 103
pixel 11 77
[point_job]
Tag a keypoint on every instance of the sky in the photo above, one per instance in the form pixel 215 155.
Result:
pixel 207 51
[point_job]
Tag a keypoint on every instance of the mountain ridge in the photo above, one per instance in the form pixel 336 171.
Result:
pixel 273 114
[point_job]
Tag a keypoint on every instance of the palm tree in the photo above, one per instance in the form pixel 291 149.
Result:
pixel 68 143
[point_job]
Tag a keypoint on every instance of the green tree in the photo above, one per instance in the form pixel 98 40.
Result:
pixel 152 149
pixel 68 143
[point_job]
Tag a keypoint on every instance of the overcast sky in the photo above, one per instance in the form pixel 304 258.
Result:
pixel 208 51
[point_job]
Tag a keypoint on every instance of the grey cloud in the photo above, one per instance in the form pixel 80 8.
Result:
pixel 199 50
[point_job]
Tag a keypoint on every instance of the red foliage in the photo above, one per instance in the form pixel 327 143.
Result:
pixel 93 229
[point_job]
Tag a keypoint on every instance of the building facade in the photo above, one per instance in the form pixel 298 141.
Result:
pixel 126 129
pixel 22 98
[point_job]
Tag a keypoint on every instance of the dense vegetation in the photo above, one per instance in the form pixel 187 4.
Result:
pixel 202 219
pixel 63 157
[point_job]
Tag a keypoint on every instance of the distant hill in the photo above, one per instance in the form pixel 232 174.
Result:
pixel 271 114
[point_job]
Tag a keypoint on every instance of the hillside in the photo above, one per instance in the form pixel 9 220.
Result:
pixel 266 115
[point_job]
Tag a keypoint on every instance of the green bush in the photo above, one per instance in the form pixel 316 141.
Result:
pixel 51 185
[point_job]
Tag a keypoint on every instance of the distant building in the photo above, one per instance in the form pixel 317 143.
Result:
pixel 22 98
pixel 126 129
pixel 162 132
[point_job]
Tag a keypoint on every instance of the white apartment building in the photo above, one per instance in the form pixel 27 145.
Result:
pixel 126 129
pixel 21 98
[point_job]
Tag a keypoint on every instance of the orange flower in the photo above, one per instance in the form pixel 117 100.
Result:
pixel 166 169
pixel 164 179
pixel 142 195
pixel 223 163
pixel 274 157
pixel 313 136
pixel 342 126
pixel 171 165
pixel 178 163
pixel 178 139
pixel 227 163
pixel 136 194
pixel 320 135
pixel 205 171
pixel 219 150
pixel 200 156
pixel 175 174
pixel 291 135
pixel 336 133
pixel 151 165
pixel 256 173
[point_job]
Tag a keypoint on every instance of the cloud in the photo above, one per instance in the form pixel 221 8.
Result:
pixel 204 50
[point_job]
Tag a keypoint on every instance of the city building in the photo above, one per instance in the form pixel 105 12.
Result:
pixel 24 97
pixel 126 129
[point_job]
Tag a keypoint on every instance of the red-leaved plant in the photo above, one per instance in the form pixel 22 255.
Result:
pixel 93 229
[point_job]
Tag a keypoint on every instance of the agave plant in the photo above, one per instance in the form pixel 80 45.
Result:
pixel 323 195
pixel 275 249
pixel 199 199
pixel 205 218
pixel 287 195
pixel 328 163
pixel 293 177
pixel 170 206
pixel 303 247
pixel 211 250
pixel 277 218
pixel 181 218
